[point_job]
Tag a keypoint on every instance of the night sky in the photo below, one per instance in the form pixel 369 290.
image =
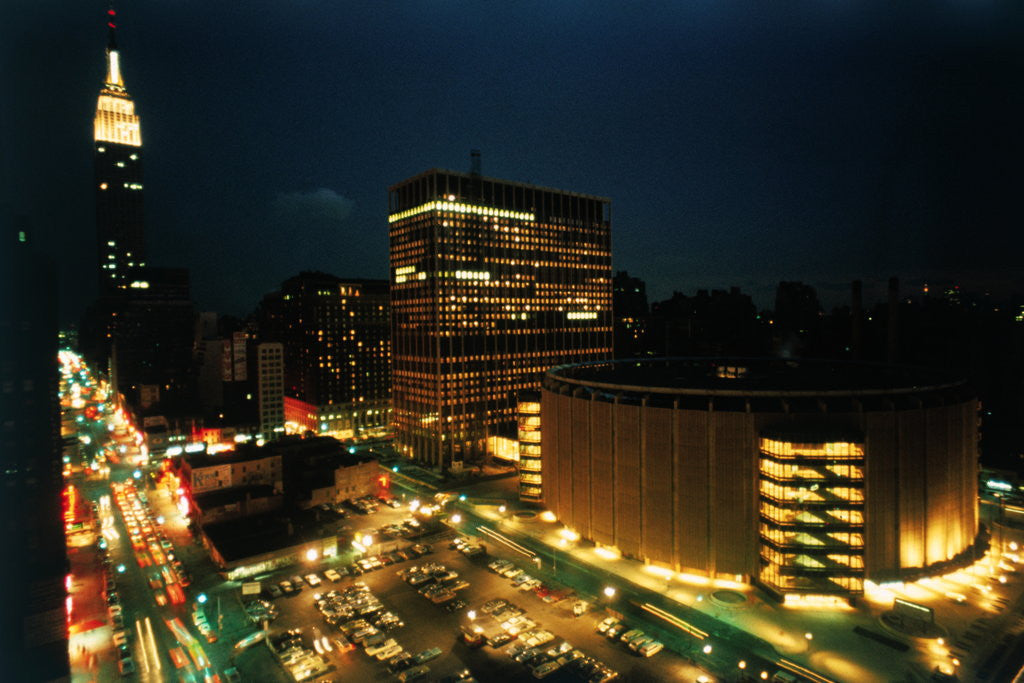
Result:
pixel 741 143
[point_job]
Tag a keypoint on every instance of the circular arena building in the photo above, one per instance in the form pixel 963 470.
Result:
pixel 805 477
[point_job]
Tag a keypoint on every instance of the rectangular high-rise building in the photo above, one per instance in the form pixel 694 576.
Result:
pixel 270 378
pixel 33 627
pixel 493 282
pixel 152 335
pixel 337 348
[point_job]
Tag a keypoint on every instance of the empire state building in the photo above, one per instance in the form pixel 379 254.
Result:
pixel 118 164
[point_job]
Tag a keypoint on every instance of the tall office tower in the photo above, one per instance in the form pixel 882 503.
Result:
pixel 33 630
pixel 118 165
pixel 337 348
pixel 629 301
pixel 153 335
pixel 493 283
pixel 270 389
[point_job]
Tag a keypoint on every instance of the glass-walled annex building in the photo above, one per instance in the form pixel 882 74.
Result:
pixel 807 477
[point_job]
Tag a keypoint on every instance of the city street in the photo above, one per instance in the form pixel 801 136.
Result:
pixel 141 541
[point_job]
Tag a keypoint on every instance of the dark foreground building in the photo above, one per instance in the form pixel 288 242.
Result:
pixel 493 282
pixel 33 620
pixel 806 477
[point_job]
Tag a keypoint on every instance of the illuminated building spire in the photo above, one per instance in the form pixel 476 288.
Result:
pixel 117 138
pixel 115 111
pixel 114 79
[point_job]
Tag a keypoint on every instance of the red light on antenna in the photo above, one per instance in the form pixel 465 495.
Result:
pixel 111 24
pixel 111 12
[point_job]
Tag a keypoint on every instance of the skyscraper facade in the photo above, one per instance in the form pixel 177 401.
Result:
pixel 629 299
pixel 153 335
pixel 33 630
pixel 493 283
pixel 270 388
pixel 337 348
pixel 118 167
pixel 141 328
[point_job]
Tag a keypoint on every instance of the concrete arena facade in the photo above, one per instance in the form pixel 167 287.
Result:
pixel 810 476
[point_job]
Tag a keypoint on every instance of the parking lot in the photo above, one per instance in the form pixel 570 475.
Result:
pixel 428 625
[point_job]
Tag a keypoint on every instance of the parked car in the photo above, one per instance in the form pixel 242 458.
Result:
pixel 454 606
pixel 126 666
pixel 383 645
pixel 630 635
pixel 545 669
pixel 388 653
pixel 615 631
pixel 637 643
pixel 400 662
pixel 427 655
pixel 415 673
pixel 499 639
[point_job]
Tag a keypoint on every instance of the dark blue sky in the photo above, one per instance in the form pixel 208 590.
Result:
pixel 741 143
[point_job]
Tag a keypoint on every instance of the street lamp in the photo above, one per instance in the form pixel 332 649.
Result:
pixel 502 509
pixel 809 636
pixel 609 592
pixel 742 664
pixel 456 518
pixel 471 614
pixel 707 649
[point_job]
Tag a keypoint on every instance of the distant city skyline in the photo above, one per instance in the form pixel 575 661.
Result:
pixel 739 147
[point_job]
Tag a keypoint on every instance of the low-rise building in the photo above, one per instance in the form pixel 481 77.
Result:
pixel 248 465
pixel 238 501
pixel 249 546
pixel 328 472
pixel 259 507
